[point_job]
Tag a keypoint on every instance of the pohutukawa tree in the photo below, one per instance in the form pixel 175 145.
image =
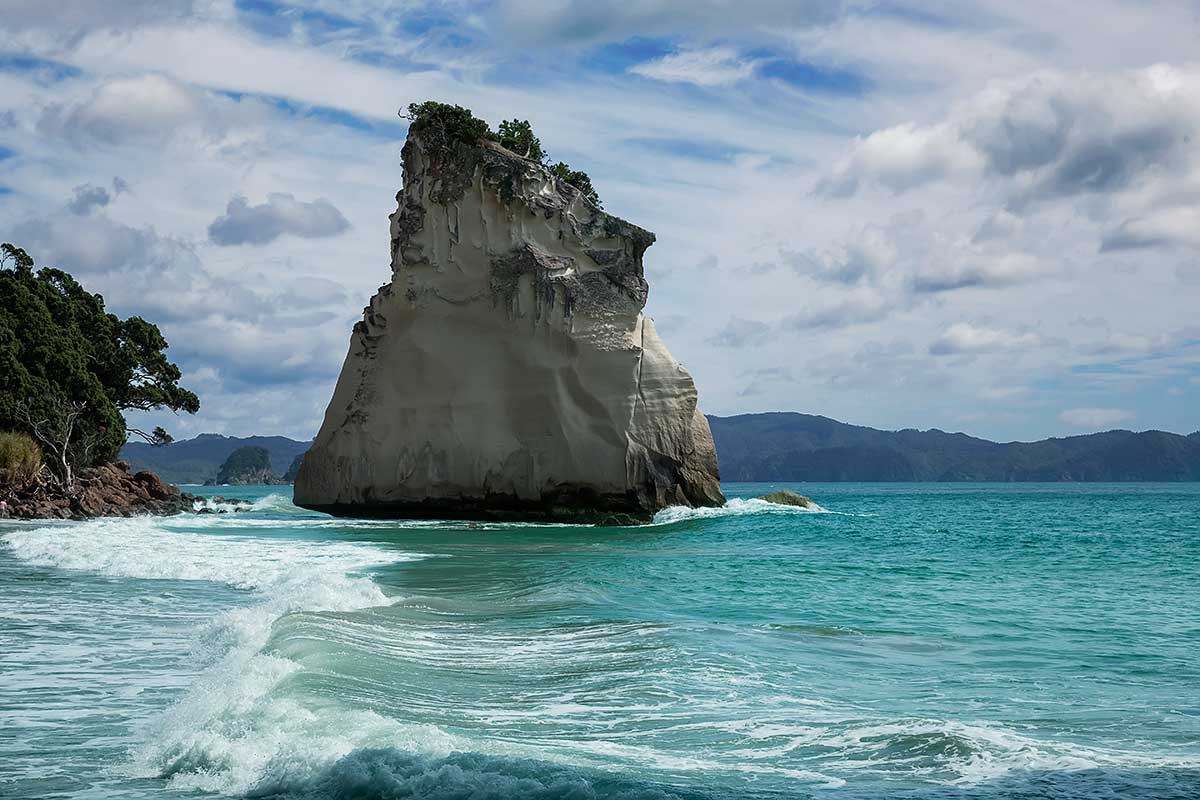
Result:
pixel 68 368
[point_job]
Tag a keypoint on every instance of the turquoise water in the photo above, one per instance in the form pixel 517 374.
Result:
pixel 923 641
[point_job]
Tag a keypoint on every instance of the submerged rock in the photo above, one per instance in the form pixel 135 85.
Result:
pixel 507 371
pixel 785 497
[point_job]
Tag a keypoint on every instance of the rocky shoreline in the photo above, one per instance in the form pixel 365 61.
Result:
pixel 110 490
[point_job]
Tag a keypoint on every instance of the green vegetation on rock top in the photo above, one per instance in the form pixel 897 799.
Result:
pixel 447 124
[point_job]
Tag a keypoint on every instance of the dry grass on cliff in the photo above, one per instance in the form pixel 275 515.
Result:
pixel 20 459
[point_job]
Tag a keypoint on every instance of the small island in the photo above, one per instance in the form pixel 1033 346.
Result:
pixel 246 466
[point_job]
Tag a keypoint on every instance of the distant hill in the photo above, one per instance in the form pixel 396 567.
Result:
pixel 198 460
pixel 786 446
pixel 802 447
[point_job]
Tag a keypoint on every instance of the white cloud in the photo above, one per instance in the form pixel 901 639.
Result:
pixel 740 332
pixel 243 223
pixel 1047 135
pixel 714 66
pixel 865 253
pixel 1168 227
pixel 144 109
pixel 964 266
pixel 87 198
pixel 900 158
pixel 858 306
pixel 966 337
pixel 1095 418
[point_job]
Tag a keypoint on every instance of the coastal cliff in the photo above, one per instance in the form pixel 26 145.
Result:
pixel 507 370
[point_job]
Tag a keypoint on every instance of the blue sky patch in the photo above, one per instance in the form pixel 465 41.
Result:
pixel 815 77
pixel 328 115
pixel 619 57
pixel 6 152
pixel 686 148
pixel 42 70
pixel 275 19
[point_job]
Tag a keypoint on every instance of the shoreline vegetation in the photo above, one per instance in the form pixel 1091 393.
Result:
pixel 68 371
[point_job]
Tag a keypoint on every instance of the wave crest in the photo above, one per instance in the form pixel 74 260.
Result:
pixel 386 773
pixel 736 507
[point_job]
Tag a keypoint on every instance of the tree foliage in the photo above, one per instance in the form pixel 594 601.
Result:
pixel 68 368
pixel 578 179
pixel 446 124
pixel 517 135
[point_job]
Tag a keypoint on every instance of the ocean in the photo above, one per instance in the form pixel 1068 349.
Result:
pixel 908 641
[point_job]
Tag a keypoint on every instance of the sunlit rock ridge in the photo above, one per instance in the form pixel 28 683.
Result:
pixel 507 370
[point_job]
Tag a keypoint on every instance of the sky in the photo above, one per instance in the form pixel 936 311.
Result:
pixel 979 216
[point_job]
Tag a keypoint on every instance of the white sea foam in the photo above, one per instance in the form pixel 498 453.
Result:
pixel 736 507
pixel 229 730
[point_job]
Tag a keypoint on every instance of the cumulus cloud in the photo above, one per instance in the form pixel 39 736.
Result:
pixel 142 109
pixel 740 332
pixel 857 307
pixel 866 252
pixel 243 223
pixel 151 110
pixel 900 158
pixel 966 266
pixel 95 244
pixel 714 66
pixel 88 197
pixel 1044 136
pixel 1169 227
pixel 965 337
pixel 1095 418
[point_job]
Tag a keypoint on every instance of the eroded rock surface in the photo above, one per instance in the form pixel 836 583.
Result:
pixel 507 370
pixel 107 490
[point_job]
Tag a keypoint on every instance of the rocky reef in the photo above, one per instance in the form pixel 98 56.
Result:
pixel 507 370
pixel 107 490
pixel 786 497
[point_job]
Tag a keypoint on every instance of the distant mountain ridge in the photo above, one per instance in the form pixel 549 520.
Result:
pixel 198 460
pixel 788 446
pixel 785 446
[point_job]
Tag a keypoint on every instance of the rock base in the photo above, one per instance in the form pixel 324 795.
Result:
pixel 109 490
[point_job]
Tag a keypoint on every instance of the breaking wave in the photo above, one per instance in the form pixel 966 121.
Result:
pixel 736 507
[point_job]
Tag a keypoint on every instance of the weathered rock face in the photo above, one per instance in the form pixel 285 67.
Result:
pixel 507 370
pixel 107 490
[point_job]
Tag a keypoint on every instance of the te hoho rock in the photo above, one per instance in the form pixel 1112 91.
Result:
pixel 507 370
